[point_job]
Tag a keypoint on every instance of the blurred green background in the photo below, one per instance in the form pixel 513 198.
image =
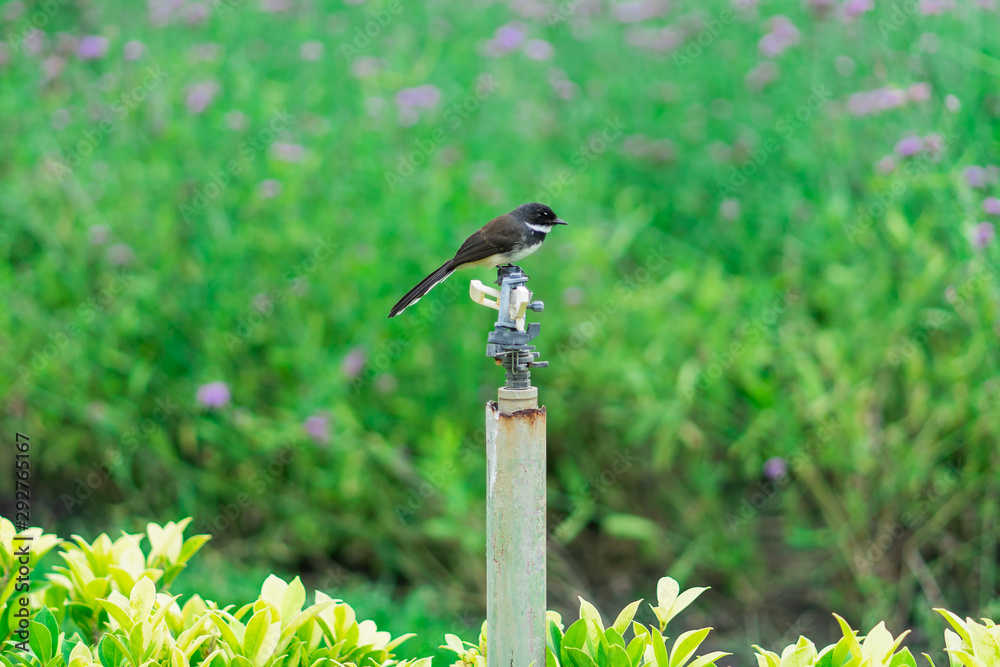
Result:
pixel 772 322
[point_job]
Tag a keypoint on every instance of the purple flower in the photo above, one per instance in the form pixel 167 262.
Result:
pixel 354 362
pixel 952 103
pixel 919 92
pixel 311 51
pixel 762 75
pixel 13 10
pixel 909 146
pixel 134 49
pixel 200 95
pixel 425 97
pixel 506 38
pixel 318 428
pixel 775 468
pixel 886 165
pixel 364 67
pixel 269 188
pixel 275 6
pixel 855 8
pixel 729 209
pixel 573 296
pixel 196 13
pixel 213 394
pixel 654 39
pixel 875 101
pixel 638 10
pixel 933 7
pixel 99 234
pixel 983 234
pixel 991 205
pixel 120 255
pixel 975 176
pixel 783 35
pixel 287 152
pixel 934 144
pixel 538 49
pixel 92 47
pixel 237 120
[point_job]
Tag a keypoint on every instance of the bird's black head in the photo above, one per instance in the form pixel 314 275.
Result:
pixel 537 215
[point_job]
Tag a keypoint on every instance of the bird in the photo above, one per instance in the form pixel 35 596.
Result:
pixel 503 240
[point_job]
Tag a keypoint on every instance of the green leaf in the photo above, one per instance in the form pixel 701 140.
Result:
pixel 635 650
pixel 903 659
pixel 137 641
pixel 802 656
pixel 550 658
pixel 967 659
pixel 45 617
pixel 554 637
pixel 659 648
pixel 141 599
pixel 614 638
pixel 686 645
pixel 117 612
pixel 40 641
pixel 588 610
pixel 617 657
pixel 576 635
pixel 956 623
pixel 708 659
pixel 191 546
pixel 825 660
pixel 577 658
pixel 984 646
pixel 255 633
pixel 122 651
pixel 625 617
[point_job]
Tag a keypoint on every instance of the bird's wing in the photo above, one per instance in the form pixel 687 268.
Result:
pixel 488 241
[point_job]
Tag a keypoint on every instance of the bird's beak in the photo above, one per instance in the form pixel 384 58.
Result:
pixel 560 221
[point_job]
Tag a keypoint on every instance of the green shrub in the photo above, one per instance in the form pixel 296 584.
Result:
pixel 109 606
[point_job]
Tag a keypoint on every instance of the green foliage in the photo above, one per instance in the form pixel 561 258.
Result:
pixel 829 314
pixel 104 610
pixel 133 624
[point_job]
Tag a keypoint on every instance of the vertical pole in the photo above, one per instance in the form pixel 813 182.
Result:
pixel 515 530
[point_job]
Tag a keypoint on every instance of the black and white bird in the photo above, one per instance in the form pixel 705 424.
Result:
pixel 503 240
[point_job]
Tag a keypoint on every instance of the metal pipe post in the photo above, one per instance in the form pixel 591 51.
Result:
pixel 515 528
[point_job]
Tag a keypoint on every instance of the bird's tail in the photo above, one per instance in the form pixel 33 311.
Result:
pixel 422 288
